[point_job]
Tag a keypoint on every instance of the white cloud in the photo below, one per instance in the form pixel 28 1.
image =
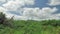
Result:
pixel 54 2
pixel 2 1
pixel 28 2
pixel 36 13
pixel 14 5
pixel 3 9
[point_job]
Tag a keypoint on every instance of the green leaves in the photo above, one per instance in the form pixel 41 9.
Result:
pixel 52 22
pixel 4 21
pixel 2 18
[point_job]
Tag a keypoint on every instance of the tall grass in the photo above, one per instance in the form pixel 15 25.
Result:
pixel 32 27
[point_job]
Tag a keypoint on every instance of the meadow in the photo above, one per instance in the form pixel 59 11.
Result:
pixel 32 27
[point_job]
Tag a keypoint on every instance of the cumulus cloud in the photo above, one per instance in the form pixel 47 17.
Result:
pixel 15 7
pixel 2 1
pixel 37 13
pixel 54 2
pixel 12 5
pixel 34 14
pixel 3 9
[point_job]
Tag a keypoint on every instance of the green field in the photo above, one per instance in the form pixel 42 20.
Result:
pixel 32 27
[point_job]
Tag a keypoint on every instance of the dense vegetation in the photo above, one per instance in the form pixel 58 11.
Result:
pixel 10 26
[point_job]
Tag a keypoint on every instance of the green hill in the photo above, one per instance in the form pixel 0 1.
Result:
pixel 32 27
pixel 10 26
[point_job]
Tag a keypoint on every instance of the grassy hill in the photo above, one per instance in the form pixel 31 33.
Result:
pixel 32 27
pixel 10 26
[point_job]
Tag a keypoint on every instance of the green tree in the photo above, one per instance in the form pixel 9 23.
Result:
pixel 2 18
pixel 5 21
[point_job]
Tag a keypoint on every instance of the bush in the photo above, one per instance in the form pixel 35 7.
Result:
pixel 5 21
pixel 52 22
pixel 2 18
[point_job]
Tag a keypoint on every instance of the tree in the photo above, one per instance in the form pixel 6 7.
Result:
pixel 5 21
pixel 2 18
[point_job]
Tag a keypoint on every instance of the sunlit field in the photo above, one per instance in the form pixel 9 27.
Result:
pixel 32 27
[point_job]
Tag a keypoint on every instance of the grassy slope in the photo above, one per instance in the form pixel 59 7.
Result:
pixel 31 27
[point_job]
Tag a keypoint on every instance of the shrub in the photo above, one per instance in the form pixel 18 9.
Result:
pixel 52 22
pixel 5 21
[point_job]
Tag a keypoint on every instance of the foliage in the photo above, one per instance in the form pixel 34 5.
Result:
pixel 52 22
pixel 29 26
pixel 4 21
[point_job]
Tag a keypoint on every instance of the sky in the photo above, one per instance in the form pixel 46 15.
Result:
pixel 31 9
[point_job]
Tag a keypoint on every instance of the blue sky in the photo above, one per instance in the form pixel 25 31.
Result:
pixel 41 3
pixel 31 9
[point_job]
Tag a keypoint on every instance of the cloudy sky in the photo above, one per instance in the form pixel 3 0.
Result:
pixel 31 9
